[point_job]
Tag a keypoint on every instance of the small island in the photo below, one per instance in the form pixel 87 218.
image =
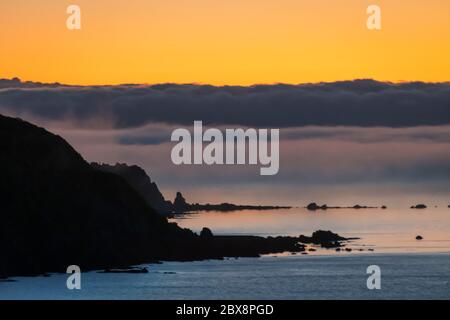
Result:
pixel 314 206
pixel 180 205
pixel 419 206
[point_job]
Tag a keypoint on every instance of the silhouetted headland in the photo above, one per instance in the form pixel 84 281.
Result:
pixel 58 210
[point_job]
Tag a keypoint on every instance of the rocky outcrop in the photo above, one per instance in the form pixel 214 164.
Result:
pixel 325 239
pixel 314 206
pixel 206 233
pixel 180 204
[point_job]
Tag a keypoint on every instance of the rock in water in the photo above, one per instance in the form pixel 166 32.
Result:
pixel 180 204
pixel 314 206
pixel 206 233
pixel 419 206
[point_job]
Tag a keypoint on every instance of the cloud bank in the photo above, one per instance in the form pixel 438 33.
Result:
pixel 339 141
pixel 364 103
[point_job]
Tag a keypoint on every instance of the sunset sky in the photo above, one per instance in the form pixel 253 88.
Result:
pixel 342 141
pixel 224 42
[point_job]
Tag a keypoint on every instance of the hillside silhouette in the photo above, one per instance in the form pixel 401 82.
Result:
pixel 57 210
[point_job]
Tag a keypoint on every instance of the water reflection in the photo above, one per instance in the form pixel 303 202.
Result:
pixel 385 230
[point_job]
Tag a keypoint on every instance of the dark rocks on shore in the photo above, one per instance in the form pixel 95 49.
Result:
pixel 419 238
pixel 383 207
pixel 419 206
pixel 125 270
pixel 206 233
pixel 320 236
pixel 326 239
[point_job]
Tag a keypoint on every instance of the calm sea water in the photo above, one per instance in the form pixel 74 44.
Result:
pixel 404 276
pixel 410 269
pixel 386 231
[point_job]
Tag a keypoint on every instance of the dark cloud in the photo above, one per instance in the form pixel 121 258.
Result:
pixel 364 103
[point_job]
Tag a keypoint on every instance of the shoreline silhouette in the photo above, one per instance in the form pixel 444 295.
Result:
pixel 58 210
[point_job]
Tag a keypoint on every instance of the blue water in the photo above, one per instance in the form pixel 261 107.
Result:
pixel 403 276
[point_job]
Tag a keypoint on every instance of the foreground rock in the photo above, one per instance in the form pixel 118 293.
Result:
pixel 58 210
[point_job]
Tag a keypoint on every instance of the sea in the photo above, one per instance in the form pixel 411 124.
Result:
pixel 408 268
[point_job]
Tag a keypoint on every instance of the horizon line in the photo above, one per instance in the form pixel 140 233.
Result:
pixel 57 83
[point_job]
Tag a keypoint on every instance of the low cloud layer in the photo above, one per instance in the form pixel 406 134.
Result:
pixel 339 141
pixel 364 103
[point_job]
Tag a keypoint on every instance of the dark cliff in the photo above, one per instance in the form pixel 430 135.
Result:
pixel 56 210
pixel 141 182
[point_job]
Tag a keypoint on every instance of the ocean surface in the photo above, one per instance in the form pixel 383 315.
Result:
pixel 385 230
pixel 410 269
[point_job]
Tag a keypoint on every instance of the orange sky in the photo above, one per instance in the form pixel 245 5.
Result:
pixel 224 41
